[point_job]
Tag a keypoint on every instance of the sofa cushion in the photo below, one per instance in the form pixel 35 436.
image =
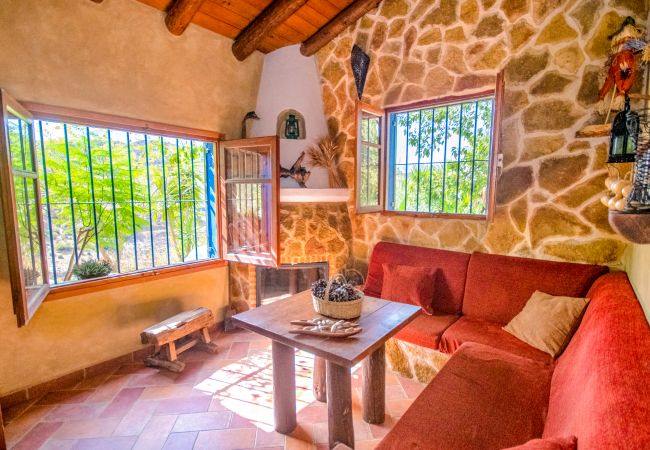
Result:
pixel 483 398
pixel 498 286
pixel 570 443
pixel 547 322
pixel 488 333
pixel 600 390
pixel 425 330
pixel 410 284
pixel 450 283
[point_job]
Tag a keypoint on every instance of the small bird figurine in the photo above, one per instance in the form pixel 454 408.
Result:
pixel 249 115
pixel 297 172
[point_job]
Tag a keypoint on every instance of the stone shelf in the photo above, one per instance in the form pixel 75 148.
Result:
pixel 632 226
pixel 307 195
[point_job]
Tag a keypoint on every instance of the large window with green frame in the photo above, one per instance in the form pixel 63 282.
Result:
pixel 439 158
pixel 132 200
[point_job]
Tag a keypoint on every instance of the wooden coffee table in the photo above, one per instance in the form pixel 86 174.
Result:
pixel 380 319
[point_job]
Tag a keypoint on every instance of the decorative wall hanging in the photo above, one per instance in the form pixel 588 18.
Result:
pixel 297 172
pixel 622 66
pixel 249 115
pixel 360 63
pixel 327 154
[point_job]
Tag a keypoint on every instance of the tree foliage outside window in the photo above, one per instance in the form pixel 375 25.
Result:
pixel 440 158
pixel 137 201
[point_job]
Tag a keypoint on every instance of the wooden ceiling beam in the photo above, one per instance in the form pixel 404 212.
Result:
pixel 268 20
pixel 180 14
pixel 337 25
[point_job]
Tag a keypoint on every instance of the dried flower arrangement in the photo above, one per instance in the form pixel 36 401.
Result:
pixel 326 154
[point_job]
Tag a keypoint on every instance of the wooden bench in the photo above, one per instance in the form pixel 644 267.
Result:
pixel 189 328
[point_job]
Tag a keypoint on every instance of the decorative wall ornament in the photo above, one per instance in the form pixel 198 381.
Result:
pixel 360 64
pixel 249 115
pixel 327 154
pixel 622 66
pixel 297 172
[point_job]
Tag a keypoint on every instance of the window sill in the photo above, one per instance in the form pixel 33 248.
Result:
pixel 115 281
pixel 426 215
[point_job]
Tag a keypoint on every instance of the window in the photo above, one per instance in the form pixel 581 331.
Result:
pixel 21 211
pixel 136 200
pixel 249 186
pixel 369 158
pixel 439 158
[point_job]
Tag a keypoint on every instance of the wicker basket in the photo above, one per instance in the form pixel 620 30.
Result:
pixel 337 310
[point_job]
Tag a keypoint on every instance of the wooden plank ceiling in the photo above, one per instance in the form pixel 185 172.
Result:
pixel 229 17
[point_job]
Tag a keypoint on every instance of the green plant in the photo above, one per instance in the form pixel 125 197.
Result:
pixel 92 269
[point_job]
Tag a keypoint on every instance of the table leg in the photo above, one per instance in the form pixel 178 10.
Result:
pixel 339 405
pixel 320 386
pixel 374 386
pixel 284 387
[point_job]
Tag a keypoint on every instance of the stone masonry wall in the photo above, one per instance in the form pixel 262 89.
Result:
pixel 309 232
pixel 552 52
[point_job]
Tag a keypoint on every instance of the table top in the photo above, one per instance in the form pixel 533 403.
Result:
pixel 380 319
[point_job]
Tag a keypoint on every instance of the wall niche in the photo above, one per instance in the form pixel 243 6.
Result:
pixel 291 125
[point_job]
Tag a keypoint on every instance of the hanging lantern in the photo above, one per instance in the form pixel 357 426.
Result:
pixel 291 127
pixel 625 131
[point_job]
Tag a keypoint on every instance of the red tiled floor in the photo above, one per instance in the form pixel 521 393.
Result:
pixel 219 402
pixel 66 396
pixel 122 402
pixel 38 435
pixel 180 441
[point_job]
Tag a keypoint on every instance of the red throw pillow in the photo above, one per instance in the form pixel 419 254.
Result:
pixel 556 443
pixel 409 284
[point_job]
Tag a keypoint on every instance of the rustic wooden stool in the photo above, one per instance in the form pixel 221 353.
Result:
pixel 179 328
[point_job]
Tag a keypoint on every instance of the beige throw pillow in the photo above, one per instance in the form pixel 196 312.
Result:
pixel 547 322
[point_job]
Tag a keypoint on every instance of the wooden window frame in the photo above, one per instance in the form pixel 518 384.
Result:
pixel 497 114
pixel 273 259
pixel 25 303
pixel 362 108
pixel 44 112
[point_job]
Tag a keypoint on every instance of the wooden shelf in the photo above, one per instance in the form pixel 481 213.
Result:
pixel 635 227
pixel 591 131
pixel 308 195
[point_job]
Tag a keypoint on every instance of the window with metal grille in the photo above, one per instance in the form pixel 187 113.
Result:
pixel 439 158
pixel 139 201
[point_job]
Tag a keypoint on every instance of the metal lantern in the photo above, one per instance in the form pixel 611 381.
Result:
pixel 292 127
pixel 625 131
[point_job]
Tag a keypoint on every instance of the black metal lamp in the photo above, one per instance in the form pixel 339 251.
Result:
pixel 625 132
pixel 292 128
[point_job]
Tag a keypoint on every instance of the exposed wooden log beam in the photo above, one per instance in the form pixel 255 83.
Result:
pixel 268 20
pixel 338 24
pixel 180 15
pixel 97 1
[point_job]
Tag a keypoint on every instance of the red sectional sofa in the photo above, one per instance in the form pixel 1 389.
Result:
pixel 497 392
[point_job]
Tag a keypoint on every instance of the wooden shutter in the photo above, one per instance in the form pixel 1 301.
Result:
pixel 21 210
pixel 249 183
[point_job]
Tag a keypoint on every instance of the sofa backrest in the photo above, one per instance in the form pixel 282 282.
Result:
pixel 600 390
pixel 450 282
pixel 498 287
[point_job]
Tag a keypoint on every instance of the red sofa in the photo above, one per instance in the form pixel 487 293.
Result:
pixel 497 392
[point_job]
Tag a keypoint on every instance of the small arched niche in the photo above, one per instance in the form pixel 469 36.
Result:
pixel 297 118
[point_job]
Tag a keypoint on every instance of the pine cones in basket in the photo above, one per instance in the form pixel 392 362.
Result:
pixel 340 291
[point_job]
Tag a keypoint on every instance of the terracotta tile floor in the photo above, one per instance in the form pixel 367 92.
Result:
pixel 221 401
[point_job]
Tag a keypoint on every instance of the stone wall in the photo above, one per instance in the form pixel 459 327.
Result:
pixel 309 232
pixel 552 52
